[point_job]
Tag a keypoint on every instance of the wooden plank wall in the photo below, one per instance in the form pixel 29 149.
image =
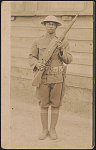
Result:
pixel 24 30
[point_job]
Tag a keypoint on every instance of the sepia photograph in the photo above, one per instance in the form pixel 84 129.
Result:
pixel 47 75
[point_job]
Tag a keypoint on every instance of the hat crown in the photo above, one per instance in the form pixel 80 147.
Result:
pixel 51 18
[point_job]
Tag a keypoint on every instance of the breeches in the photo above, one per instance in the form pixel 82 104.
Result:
pixel 50 94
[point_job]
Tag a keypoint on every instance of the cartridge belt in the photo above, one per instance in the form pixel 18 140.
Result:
pixel 56 70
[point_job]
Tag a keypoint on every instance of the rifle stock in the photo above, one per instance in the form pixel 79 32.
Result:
pixel 36 81
pixel 49 52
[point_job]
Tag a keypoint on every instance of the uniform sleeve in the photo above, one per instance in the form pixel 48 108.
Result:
pixel 33 55
pixel 65 54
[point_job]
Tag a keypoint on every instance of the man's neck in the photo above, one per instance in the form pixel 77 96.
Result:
pixel 50 35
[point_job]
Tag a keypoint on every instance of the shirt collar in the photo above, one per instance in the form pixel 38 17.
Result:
pixel 50 35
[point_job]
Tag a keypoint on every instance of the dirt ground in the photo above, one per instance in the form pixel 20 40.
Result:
pixel 74 130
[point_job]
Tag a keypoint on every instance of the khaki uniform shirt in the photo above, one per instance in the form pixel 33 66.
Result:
pixel 53 73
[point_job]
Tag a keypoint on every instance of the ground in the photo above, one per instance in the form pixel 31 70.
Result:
pixel 74 130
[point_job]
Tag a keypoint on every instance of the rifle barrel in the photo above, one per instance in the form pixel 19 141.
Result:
pixel 68 28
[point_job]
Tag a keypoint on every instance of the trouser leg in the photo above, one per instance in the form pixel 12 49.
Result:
pixel 54 119
pixel 44 121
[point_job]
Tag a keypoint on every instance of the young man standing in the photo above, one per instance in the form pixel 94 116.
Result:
pixel 51 89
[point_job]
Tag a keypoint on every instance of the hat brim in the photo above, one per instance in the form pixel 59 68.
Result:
pixel 58 23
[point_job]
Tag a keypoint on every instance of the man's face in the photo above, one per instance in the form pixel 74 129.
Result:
pixel 50 27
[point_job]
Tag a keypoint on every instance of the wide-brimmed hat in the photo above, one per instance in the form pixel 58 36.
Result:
pixel 51 19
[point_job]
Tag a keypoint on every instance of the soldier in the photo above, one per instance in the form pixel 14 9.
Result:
pixel 51 89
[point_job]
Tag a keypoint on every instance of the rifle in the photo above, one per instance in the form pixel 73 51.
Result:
pixel 49 53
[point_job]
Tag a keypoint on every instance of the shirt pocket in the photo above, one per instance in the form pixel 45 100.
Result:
pixel 42 50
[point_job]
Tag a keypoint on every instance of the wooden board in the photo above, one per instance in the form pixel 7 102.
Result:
pixel 22 42
pixel 83 34
pixel 28 8
pixel 22 8
pixel 71 80
pixel 85 58
pixel 74 94
pixel 81 70
pixel 20 62
pixel 78 58
pixel 20 83
pixel 81 46
pixel 76 34
pixel 75 46
pixel 20 52
pixel 67 5
pixel 21 73
pixel 27 32
pixel 83 109
pixel 77 81
pixel 81 22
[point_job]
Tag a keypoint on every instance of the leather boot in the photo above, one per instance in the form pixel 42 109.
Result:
pixel 54 119
pixel 44 121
